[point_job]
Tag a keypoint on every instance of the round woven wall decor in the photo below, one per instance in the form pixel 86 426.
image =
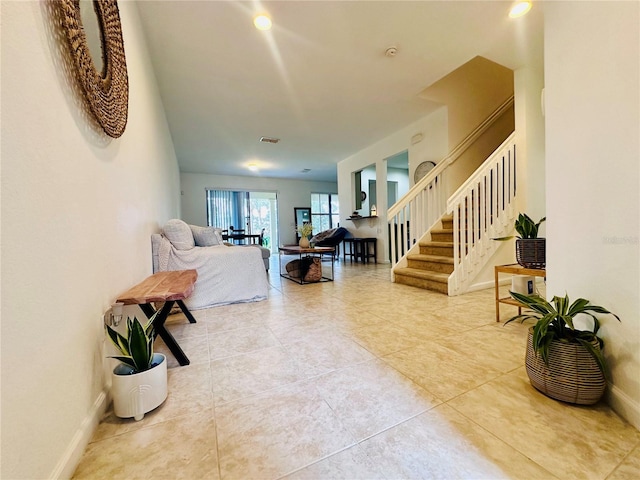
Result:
pixel 107 91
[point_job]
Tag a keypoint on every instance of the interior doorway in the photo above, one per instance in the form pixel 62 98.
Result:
pixel 254 212
pixel 397 177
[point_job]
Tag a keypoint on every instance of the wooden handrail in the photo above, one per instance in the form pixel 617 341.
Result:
pixel 442 165
pixel 420 208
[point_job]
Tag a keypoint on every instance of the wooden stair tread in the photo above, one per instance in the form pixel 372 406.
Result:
pixel 431 270
pixel 436 244
pixel 430 258
pixel 417 273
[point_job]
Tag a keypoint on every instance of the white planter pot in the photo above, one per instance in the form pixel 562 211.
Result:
pixel 139 393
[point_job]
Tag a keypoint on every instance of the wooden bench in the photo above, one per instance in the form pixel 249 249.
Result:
pixel 168 287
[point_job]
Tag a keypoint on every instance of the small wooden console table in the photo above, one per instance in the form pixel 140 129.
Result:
pixel 168 287
pixel 514 269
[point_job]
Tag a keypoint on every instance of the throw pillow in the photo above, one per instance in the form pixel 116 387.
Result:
pixel 179 234
pixel 206 236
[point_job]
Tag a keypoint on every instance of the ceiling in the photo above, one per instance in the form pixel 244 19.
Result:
pixel 319 80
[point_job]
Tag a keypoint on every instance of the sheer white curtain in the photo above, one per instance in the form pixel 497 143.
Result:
pixel 225 208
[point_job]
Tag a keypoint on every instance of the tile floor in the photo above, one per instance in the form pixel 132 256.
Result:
pixel 358 379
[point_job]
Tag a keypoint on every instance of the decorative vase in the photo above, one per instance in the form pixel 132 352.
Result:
pixel 304 242
pixel 530 252
pixel 135 394
pixel 572 375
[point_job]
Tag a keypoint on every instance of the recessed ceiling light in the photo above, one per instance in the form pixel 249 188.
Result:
pixel 520 9
pixel 262 22
pixel 252 166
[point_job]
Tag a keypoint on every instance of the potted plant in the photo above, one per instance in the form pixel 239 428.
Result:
pixel 530 250
pixel 561 361
pixel 139 382
pixel 305 230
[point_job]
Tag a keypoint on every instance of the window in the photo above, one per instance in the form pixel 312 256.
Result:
pixel 325 212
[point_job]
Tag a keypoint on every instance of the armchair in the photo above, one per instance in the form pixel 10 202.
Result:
pixel 331 238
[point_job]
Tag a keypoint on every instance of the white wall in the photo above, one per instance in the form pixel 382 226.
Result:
pixel 476 153
pixel 432 147
pixel 367 175
pixel 529 121
pixel 471 93
pixel 77 212
pixel 401 177
pixel 529 83
pixel 291 194
pixel 592 74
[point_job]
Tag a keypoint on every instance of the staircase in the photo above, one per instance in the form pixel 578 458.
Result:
pixel 430 269
pixel 440 243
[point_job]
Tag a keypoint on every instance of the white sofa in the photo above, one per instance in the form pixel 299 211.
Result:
pixel 226 274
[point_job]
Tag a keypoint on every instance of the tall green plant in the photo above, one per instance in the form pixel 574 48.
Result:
pixel 525 227
pixel 554 321
pixel 137 347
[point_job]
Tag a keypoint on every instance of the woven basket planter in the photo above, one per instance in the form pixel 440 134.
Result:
pixel 530 252
pixel 572 375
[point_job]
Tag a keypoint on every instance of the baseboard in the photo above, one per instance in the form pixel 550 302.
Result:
pixel 491 284
pixel 69 461
pixel 623 405
pixel 485 285
pixel 488 284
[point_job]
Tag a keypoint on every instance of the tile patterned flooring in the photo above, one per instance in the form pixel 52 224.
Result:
pixel 358 379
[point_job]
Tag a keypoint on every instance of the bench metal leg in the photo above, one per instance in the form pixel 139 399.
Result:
pixel 186 311
pixel 160 329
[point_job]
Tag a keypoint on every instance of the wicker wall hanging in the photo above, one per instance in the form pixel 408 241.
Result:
pixel 107 92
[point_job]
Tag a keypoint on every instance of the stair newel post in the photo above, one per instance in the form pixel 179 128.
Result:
pixel 456 237
pixel 392 238
pixel 413 224
pixel 482 221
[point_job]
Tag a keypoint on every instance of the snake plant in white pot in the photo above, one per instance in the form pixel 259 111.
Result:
pixel 139 382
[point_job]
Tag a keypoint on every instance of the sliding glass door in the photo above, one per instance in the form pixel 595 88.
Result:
pixel 263 217
pixel 254 212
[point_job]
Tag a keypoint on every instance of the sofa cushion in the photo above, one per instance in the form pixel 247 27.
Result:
pixel 179 234
pixel 206 236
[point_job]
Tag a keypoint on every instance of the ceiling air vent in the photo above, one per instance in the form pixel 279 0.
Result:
pixel 269 140
pixel 306 170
